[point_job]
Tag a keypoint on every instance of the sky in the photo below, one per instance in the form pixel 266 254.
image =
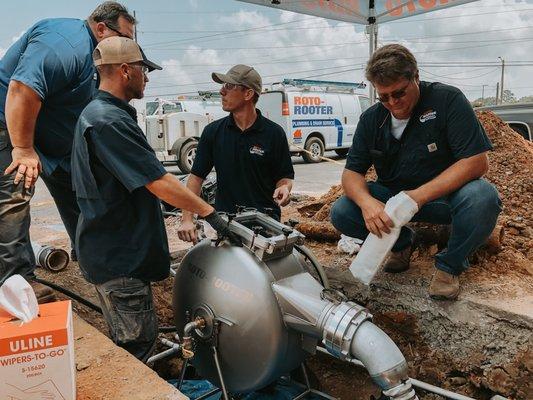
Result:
pixel 462 46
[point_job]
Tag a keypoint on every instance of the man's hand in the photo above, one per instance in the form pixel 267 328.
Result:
pixel 187 231
pixel 27 164
pixel 376 219
pixel 282 195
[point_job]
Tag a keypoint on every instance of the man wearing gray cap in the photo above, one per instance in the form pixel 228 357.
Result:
pixel 250 153
pixel 120 237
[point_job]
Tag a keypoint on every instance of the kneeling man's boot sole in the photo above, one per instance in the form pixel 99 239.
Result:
pixel 444 286
pixel 398 261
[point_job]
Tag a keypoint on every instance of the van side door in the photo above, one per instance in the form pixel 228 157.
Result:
pixel 351 112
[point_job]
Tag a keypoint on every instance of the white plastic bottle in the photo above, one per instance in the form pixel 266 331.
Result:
pixel 400 208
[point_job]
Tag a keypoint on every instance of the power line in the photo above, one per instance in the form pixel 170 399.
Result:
pixel 332 45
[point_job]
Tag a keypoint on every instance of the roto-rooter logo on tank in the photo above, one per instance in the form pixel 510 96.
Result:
pixel 311 105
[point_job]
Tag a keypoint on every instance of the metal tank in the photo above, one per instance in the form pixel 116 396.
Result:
pixel 254 313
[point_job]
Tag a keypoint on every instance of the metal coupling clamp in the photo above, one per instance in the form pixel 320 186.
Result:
pixel 404 391
pixel 341 324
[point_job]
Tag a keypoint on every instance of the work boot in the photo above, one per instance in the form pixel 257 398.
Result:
pixel 399 261
pixel 444 286
pixel 43 293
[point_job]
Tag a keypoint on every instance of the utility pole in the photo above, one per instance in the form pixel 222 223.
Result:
pixel 501 80
pixel 483 94
pixel 135 27
pixel 497 93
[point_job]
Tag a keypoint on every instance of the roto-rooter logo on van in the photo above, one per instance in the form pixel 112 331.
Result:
pixel 306 105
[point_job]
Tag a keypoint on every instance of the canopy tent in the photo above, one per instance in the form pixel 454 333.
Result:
pixel 365 12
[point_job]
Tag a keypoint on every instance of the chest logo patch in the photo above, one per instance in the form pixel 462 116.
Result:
pixel 257 150
pixel 428 115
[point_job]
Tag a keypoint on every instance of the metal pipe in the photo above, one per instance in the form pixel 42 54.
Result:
pixel 415 382
pixel 197 323
pixel 219 371
pixel 175 348
pixel 164 354
pixel 379 354
pixel 49 257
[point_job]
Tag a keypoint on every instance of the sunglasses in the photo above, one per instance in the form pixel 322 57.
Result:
pixel 232 86
pixel 144 69
pixel 397 94
pixel 117 31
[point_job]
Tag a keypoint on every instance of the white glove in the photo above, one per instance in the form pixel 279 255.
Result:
pixel 18 298
pixel 349 244
pixel 401 208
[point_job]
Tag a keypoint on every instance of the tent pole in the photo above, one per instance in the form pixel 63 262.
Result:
pixel 372 31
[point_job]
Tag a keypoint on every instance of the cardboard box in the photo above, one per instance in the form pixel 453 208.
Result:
pixel 37 358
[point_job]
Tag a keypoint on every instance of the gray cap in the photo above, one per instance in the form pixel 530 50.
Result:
pixel 240 75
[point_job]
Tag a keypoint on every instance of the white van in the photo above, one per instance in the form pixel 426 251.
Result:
pixel 173 127
pixel 316 115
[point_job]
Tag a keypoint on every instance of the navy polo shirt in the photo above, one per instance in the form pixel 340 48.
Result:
pixel 248 163
pixel 54 58
pixel 120 230
pixel 443 129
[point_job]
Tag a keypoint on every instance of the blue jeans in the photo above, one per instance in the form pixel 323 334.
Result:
pixel 472 211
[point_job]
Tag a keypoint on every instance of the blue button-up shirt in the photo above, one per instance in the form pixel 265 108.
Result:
pixel 54 58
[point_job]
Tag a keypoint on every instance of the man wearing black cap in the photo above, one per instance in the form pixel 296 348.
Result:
pixel 120 238
pixel 250 153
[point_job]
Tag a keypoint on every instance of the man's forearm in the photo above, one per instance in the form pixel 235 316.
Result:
pixel 194 184
pixel 22 108
pixel 451 179
pixel 170 190
pixel 355 187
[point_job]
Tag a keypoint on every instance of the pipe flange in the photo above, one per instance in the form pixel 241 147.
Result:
pixel 340 328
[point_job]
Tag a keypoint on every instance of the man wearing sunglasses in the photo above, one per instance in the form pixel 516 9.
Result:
pixel 424 139
pixel 47 77
pixel 120 238
pixel 250 153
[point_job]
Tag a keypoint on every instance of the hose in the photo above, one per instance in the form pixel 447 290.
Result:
pixel 70 294
pixel 315 263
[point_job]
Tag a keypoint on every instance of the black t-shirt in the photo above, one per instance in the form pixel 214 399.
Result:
pixel 120 230
pixel 443 129
pixel 248 163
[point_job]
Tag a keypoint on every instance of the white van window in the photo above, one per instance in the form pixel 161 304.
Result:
pixel 151 107
pixel 365 103
pixel 171 108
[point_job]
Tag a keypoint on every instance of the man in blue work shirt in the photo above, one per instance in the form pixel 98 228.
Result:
pixel 46 79
pixel 120 238
pixel 422 138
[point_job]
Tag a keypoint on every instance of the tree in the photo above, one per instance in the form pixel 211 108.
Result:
pixel 508 97
pixel 526 99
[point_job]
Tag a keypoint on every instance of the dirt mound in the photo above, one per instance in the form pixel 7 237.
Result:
pixel 511 171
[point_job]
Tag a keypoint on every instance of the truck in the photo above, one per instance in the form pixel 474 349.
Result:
pixel 316 116
pixel 173 127
pixel 519 116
